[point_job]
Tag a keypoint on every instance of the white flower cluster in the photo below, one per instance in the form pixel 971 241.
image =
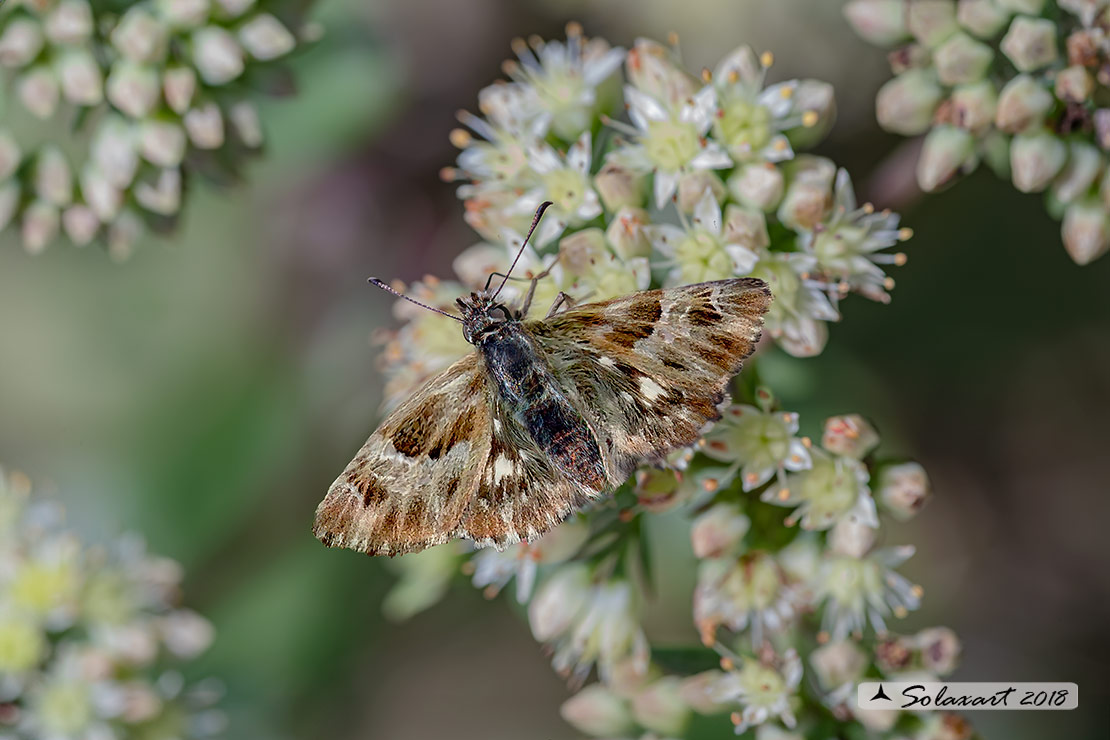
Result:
pixel 90 635
pixel 157 89
pixel 1018 84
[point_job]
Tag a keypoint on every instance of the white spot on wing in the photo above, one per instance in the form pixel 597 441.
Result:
pixel 503 467
pixel 607 362
pixel 650 388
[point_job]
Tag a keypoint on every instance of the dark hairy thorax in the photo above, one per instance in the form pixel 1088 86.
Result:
pixel 528 388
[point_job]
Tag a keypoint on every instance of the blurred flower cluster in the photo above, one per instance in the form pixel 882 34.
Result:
pixel 1018 84
pixel 158 90
pixel 91 637
pixel 793 595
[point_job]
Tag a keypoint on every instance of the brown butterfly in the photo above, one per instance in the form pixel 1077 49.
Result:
pixel 545 416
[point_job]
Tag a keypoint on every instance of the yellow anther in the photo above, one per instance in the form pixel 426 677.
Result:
pixel 766 59
pixel 460 138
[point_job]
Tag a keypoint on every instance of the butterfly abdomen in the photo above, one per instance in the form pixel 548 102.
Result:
pixel 527 386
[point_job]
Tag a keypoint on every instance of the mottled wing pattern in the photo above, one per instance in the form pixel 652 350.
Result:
pixel 411 483
pixel 650 369
pixel 522 493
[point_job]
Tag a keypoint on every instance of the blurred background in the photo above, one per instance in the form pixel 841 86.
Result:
pixel 207 391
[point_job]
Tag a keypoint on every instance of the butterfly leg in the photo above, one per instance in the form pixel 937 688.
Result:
pixel 561 300
pixel 532 289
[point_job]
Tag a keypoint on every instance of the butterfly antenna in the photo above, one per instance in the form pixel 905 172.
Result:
pixel 535 222
pixel 383 286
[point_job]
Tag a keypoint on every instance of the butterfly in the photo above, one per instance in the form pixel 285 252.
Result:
pixel 544 416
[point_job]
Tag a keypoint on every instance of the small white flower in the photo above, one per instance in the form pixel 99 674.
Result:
pixel 858 591
pixel 217 55
pixel 832 489
pixel 763 689
pixel 701 250
pixel 265 38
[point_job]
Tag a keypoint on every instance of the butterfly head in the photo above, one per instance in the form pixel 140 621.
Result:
pixel 483 315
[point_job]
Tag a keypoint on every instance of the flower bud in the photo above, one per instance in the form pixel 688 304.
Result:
pixel 162 195
pixel 70 22
pixel 38 91
pixel 181 14
pixel 903 489
pixel 205 126
pixel 80 224
pixel 931 21
pixel 620 187
pixel 53 177
pixel 982 17
pixel 113 149
pixel 246 124
pixel 1030 43
pixel 961 60
pixel 877 720
pixel 838 663
pixel 815 101
pixel 1087 10
pixel 20 42
pixel 758 185
pixel 162 142
pixel 1035 159
pixel 850 435
pixel 946 152
pixel 1022 104
pixel 910 56
pixel 133 88
pixel 650 68
pixel 265 38
pixel 905 104
pixel 809 192
pixel 974 106
pixel 104 198
pixel 81 79
pixel 851 536
pixel 595 710
pixel 718 531
pixel 1085 231
pixel 580 251
pixel 1074 85
pixel 661 708
pixel 140 37
pixel 626 233
pixel 216 55
pixel 692 187
pixel 185 633
pixel 234 8
pixel 746 227
pixel 881 22
pixel 658 489
pixel 179 84
pixel 40 226
pixel 1083 47
pixel 940 649
pixel 9 202
pixel 1029 7
pixel 123 234
pixel 1080 173
pixel 10 155
pixel 558 601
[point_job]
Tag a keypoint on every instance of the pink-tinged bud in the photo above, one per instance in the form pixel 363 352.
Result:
pixel 940 650
pixel 123 234
pixel 702 693
pixel 851 537
pixel 808 193
pixel 905 104
pixel 1030 43
pixel 1087 10
pixel 758 185
pixel 162 142
pixel 961 59
pixel 40 226
pixel 10 155
pixel 161 195
pixel 910 56
pixel 1080 173
pixel 114 150
pixel 882 22
pixel 70 22
pixel 205 126
pixel 1074 85
pixel 974 106
pixel 81 79
pixel 53 177
pixel 946 153
pixel 626 233
pixel 903 489
pixel 1085 231
pixel 1102 128
pixel 850 435
pixel 620 187
pixel 982 17
pixel 9 202
pixel 1035 159
pixel 838 663
pixel 179 84
pixel 1029 7
pixel 21 42
pixel 246 124
pixel 183 14
pixel 80 224
pixel 595 710
pixel 580 251
pixel 746 227
pixel 719 531
pixel 265 38
pixel 1022 104
pixel 38 91
pixel 660 707
pixel 931 21
pixel 104 198
pixel 650 67
pixel 216 55
pixel 558 601
pixel 140 37
pixel 877 720
pixel 692 187
pixel 133 88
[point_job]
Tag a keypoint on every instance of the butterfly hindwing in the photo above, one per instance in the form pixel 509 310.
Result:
pixel 410 484
pixel 652 367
